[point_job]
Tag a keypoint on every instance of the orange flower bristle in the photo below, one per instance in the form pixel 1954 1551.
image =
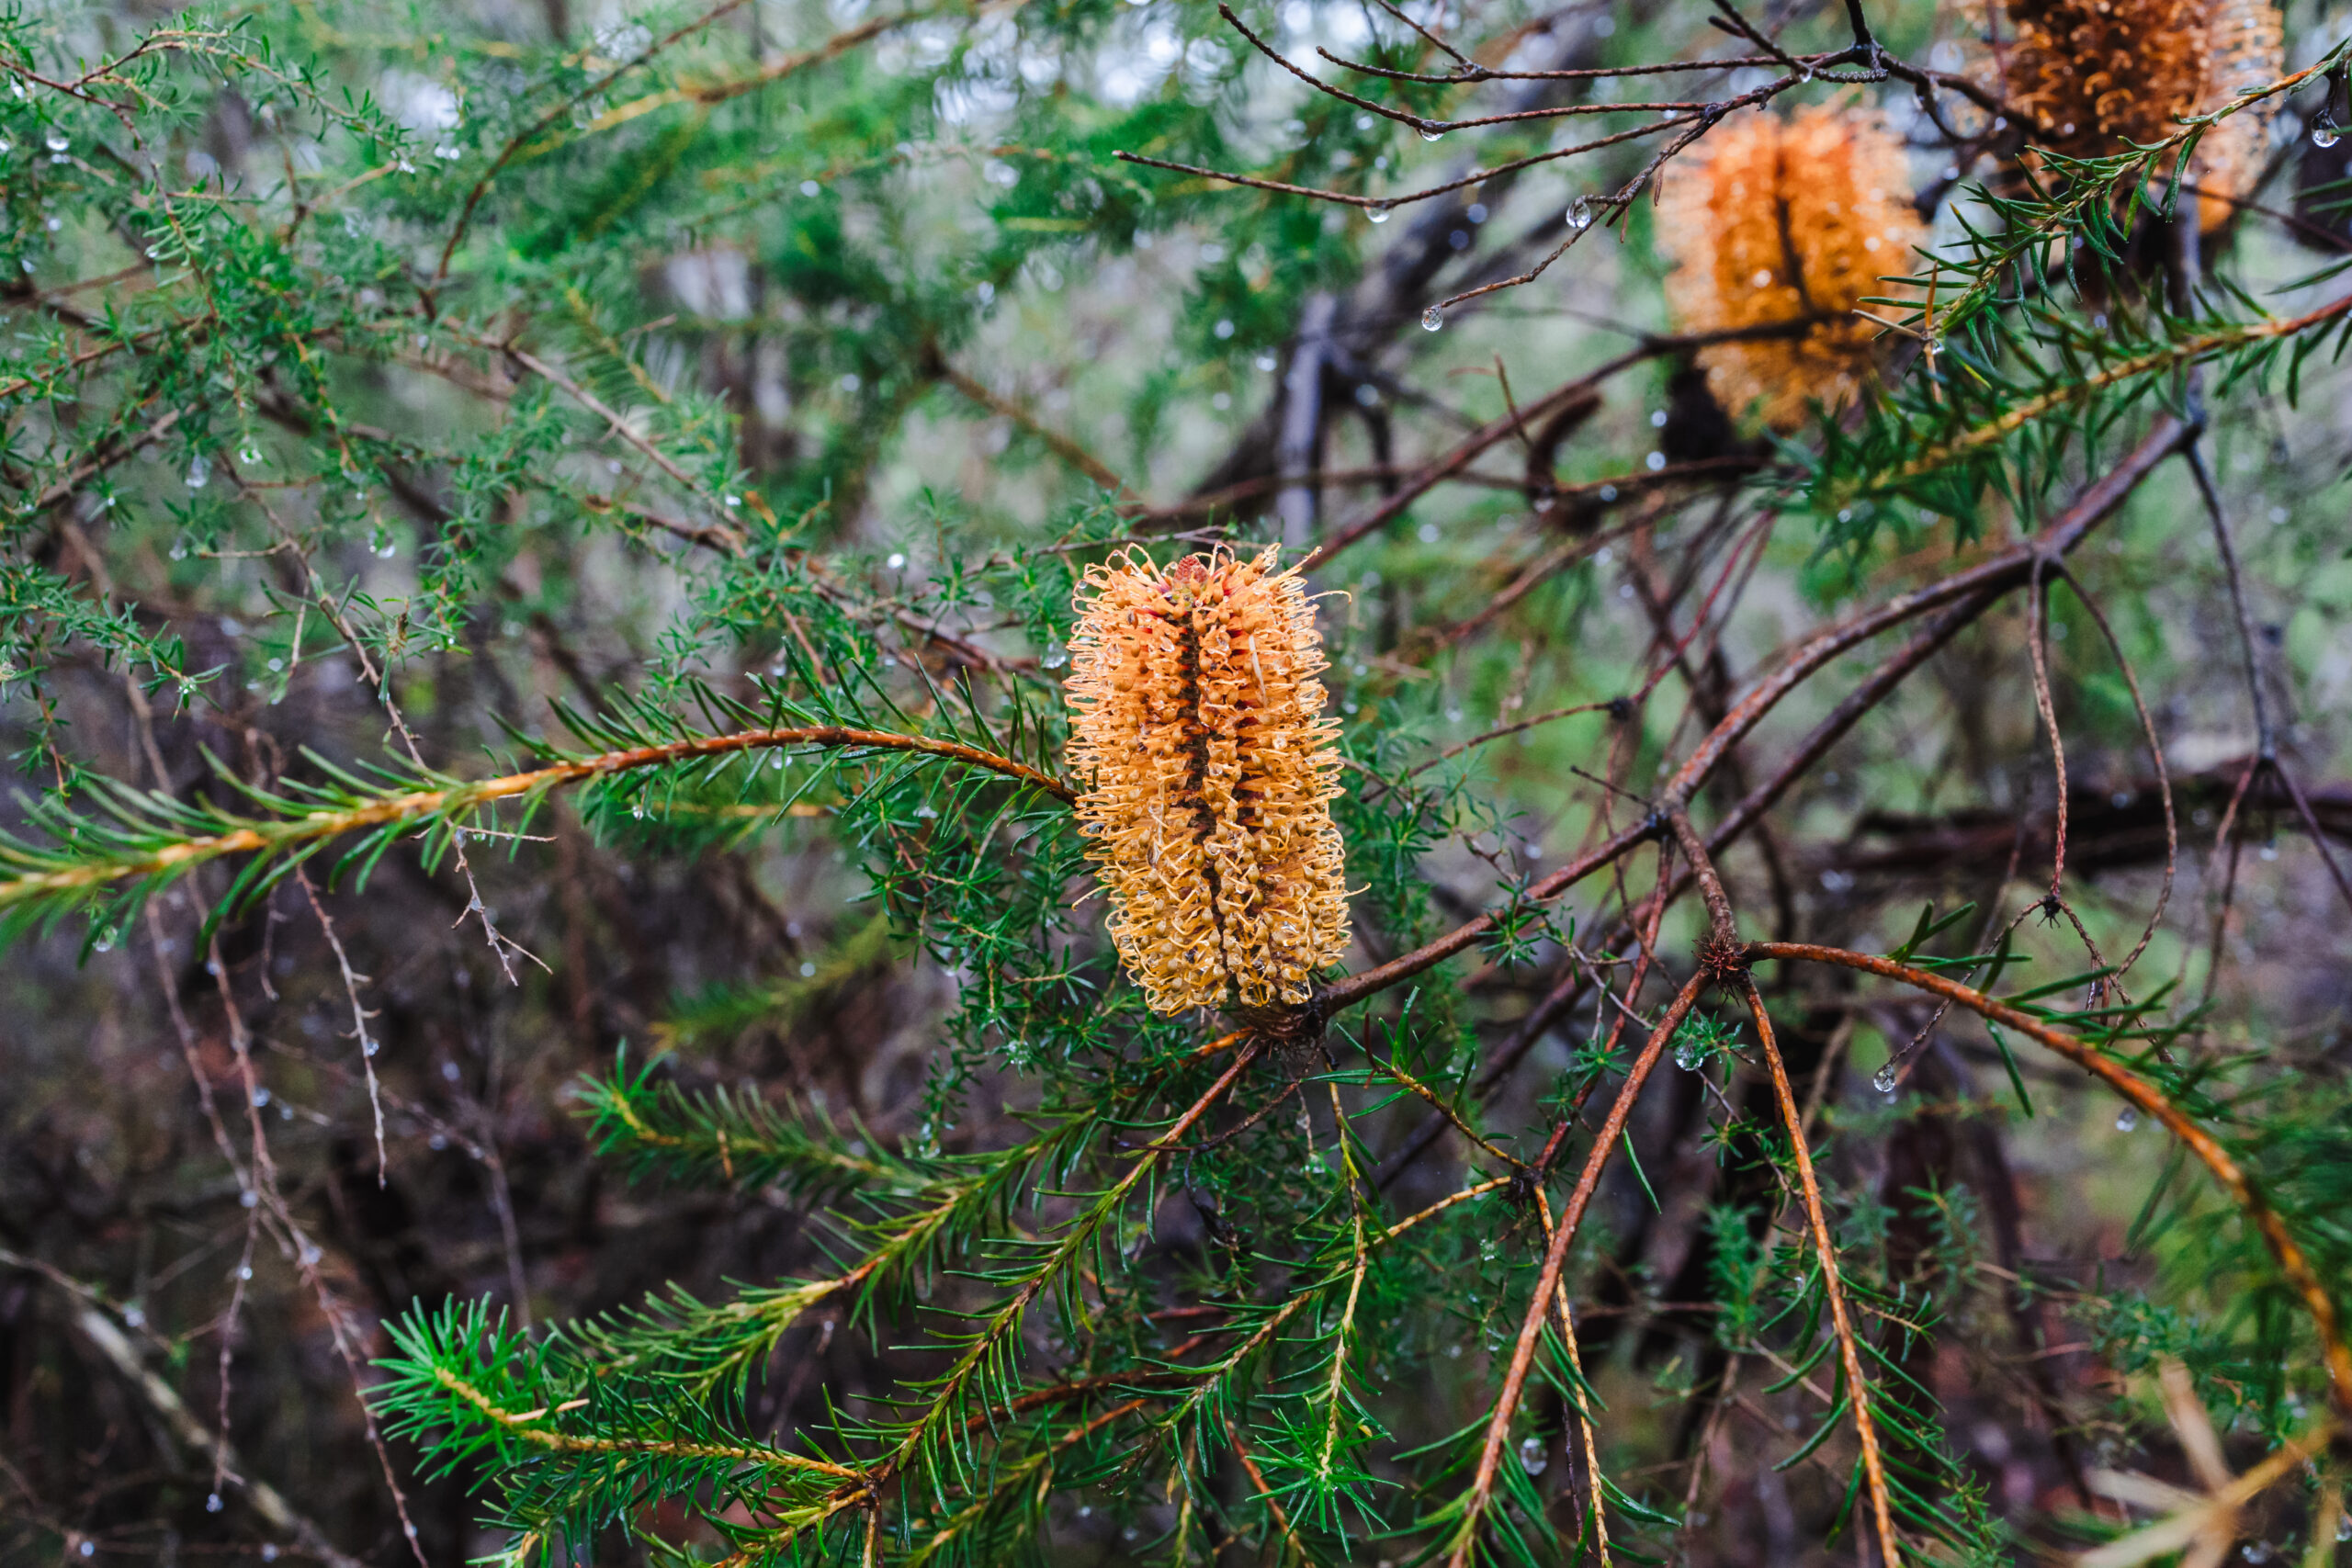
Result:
pixel 1207 768
pixel 2099 76
pixel 1783 222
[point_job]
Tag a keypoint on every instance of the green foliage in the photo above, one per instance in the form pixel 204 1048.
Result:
pixel 533 322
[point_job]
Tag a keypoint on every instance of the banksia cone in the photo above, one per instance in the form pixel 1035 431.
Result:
pixel 2098 75
pixel 1788 221
pixel 1206 763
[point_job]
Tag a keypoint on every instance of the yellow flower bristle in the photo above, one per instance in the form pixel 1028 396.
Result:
pixel 1207 770
pixel 1777 221
pixel 2098 76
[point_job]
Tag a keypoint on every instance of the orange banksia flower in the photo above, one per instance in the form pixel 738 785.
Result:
pixel 1198 739
pixel 1790 220
pixel 2097 74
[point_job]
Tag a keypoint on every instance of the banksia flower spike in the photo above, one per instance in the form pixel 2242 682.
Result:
pixel 1206 770
pixel 2097 76
pixel 1788 222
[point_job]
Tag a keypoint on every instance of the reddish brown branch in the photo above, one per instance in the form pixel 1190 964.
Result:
pixel 1547 1280
pixel 2289 1254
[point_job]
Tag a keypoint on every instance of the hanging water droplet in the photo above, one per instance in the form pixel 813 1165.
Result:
pixel 212 1504
pixel 2344 1527
pixel 1431 133
pixel 2323 131
pixel 1690 1055
pixel 1580 213
pixel 55 141
pixel 1432 319
pixel 1883 1080
pixel 200 471
pixel 1533 1455
pixel 2127 1119
pixel 1375 215
pixel 1055 657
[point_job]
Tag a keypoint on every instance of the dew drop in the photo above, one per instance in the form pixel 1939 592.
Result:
pixel 1690 1055
pixel 55 141
pixel 2127 1119
pixel 1534 1456
pixel 1431 134
pixel 1055 656
pixel 2325 132
pixel 1580 213
pixel 1883 1080
pixel 1375 215
pixel 212 1504
pixel 200 471
pixel 1432 319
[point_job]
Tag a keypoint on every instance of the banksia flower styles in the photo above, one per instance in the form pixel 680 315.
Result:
pixel 2098 75
pixel 1206 766
pixel 1789 221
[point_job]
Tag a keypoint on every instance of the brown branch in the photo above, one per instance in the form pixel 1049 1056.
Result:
pixel 1975 588
pixel 1061 445
pixel 2147 1097
pixel 1825 1248
pixel 102 1335
pixel 1547 1279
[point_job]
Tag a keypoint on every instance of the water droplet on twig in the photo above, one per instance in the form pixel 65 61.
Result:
pixel 1432 319
pixel 2127 1119
pixel 1580 214
pixel 1534 1456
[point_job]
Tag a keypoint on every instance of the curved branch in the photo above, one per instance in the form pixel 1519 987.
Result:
pixel 2284 1250
pixel 1978 586
pixel 1555 1257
